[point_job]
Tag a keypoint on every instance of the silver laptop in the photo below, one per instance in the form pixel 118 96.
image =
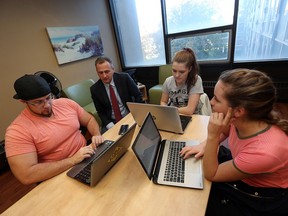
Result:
pixel 167 118
pixel 91 170
pixel 161 160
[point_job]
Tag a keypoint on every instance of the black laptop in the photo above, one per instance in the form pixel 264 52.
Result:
pixel 161 160
pixel 91 170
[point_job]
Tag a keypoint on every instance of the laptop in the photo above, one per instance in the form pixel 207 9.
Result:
pixel 161 161
pixel 167 118
pixel 91 170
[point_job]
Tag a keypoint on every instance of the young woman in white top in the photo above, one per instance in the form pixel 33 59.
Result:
pixel 184 88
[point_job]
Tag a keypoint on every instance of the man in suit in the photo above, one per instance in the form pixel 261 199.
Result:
pixel 121 84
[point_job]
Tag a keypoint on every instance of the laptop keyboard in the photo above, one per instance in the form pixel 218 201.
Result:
pixel 85 174
pixel 175 165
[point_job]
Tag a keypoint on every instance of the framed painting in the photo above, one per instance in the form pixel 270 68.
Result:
pixel 75 43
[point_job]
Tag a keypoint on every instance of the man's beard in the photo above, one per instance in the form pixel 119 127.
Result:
pixel 43 114
pixel 47 113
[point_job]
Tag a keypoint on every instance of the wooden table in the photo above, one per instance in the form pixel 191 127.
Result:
pixel 124 190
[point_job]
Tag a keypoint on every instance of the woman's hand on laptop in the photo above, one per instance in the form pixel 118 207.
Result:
pixel 197 150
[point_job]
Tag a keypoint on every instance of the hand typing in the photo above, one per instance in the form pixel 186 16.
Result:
pixel 82 153
pixel 197 151
pixel 96 141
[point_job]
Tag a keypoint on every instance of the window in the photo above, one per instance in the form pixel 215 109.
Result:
pixel 262 30
pixel 149 32
pixel 187 15
pixel 140 31
pixel 209 47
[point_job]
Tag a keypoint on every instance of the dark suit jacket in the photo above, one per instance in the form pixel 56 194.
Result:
pixel 127 90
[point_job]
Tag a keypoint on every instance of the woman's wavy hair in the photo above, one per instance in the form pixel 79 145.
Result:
pixel 255 91
pixel 187 56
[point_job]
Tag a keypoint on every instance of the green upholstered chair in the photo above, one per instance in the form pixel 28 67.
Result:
pixel 80 93
pixel 155 92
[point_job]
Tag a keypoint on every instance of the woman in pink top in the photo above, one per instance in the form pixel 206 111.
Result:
pixel 252 179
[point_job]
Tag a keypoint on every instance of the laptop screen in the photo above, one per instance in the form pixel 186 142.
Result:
pixel 146 145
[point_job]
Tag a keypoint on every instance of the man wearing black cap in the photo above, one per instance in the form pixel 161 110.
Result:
pixel 45 140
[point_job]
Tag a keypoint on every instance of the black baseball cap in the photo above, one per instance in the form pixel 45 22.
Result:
pixel 30 86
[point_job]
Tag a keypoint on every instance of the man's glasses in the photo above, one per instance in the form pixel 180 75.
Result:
pixel 39 103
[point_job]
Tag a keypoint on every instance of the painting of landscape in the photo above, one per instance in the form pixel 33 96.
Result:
pixel 75 43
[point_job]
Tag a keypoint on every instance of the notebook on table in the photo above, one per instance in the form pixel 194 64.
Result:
pixel 91 170
pixel 161 161
pixel 166 118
